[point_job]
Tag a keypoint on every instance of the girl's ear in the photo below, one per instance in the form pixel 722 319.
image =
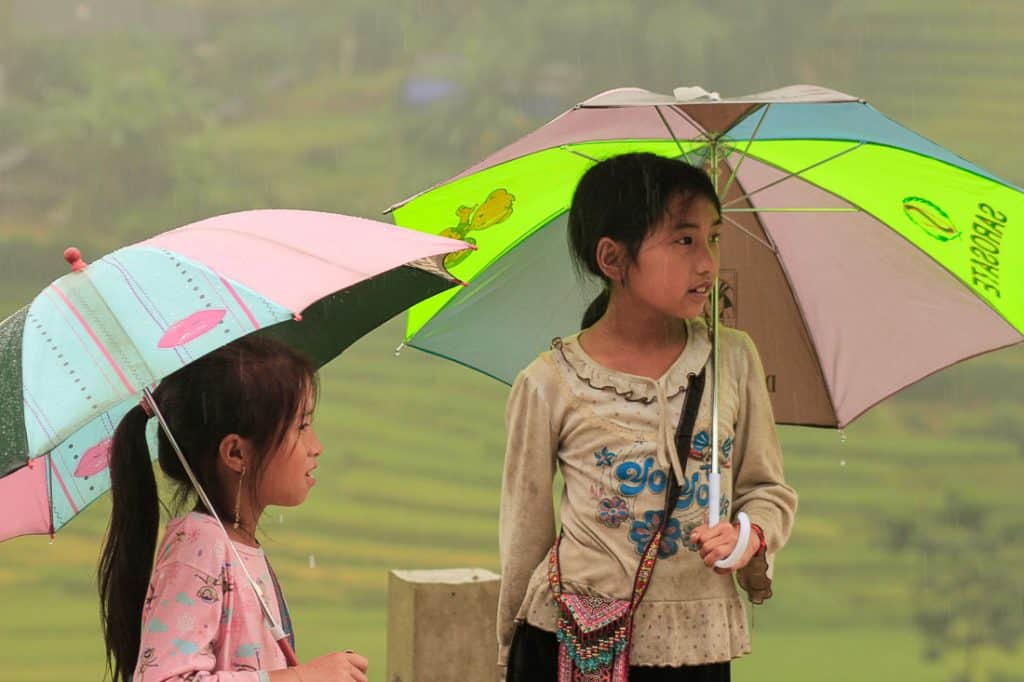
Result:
pixel 612 259
pixel 233 452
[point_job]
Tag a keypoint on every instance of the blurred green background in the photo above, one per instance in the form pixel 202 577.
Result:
pixel 123 118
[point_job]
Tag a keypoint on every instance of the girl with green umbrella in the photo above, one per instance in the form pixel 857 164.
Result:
pixel 639 582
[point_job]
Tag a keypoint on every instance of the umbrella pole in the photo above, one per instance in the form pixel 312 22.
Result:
pixel 714 478
pixel 276 630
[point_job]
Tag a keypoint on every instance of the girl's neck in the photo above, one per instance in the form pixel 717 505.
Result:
pixel 244 534
pixel 248 519
pixel 247 522
pixel 630 325
pixel 635 343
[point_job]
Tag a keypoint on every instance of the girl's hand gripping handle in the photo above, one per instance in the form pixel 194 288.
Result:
pixel 714 491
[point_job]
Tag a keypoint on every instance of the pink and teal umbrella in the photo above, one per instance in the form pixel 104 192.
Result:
pixel 859 256
pixel 77 358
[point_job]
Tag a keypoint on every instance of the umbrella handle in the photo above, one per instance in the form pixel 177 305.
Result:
pixel 714 495
pixel 286 648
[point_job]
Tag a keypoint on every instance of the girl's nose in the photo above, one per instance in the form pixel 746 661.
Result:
pixel 706 260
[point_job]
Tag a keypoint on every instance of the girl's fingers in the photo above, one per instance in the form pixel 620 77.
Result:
pixel 357 661
pixel 714 555
pixel 717 548
pixel 704 535
pixel 708 545
pixel 712 543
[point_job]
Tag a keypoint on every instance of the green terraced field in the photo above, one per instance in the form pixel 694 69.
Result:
pixel 409 479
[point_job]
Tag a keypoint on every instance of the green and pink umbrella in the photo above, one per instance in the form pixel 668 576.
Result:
pixel 859 256
pixel 80 355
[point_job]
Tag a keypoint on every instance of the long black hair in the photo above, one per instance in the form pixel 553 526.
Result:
pixel 252 387
pixel 623 198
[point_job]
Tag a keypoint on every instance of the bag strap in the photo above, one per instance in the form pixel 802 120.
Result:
pixel 282 605
pixel 684 434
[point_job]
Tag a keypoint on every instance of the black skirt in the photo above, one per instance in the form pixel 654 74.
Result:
pixel 533 657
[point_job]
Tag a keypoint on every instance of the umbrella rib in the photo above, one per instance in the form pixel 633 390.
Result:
pixel 689 119
pixel 49 490
pixel 745 152
pixel 792 174
pixel 823 209
pixel 750 234
pixel 673 134
pixel 432 265
pixel 569 149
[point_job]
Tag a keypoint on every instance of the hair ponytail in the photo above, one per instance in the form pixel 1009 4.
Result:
pixel 127 557
pixel 596 309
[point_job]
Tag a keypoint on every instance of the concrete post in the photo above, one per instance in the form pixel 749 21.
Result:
pixel 441 625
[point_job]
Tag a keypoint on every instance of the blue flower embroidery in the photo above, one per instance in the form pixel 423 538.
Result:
pixel 612 511
pixel 687 532
pixel 701 445
pixel 604 457
pixel 723 506
pixel 641 532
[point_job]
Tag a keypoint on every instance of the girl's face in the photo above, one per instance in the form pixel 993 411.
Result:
pixel 289 471
pixel 677 262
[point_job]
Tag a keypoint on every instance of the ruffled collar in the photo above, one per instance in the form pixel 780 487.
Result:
pixel 631 386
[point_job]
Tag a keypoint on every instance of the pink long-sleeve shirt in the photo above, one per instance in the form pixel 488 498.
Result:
pixel 201 620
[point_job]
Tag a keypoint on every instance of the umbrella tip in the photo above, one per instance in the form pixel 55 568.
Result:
pixel 74 258
pixel 297 317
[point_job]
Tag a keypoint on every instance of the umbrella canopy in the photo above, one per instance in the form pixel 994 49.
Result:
pixel 860 256
pixel 75 360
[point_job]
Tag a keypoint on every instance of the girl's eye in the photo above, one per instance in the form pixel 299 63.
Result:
pixel 304 426
pixel 687 241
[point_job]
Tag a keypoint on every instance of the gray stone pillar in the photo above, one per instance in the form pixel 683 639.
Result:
pixel 441 625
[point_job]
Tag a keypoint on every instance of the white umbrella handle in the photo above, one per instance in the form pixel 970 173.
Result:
pixel 714 490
